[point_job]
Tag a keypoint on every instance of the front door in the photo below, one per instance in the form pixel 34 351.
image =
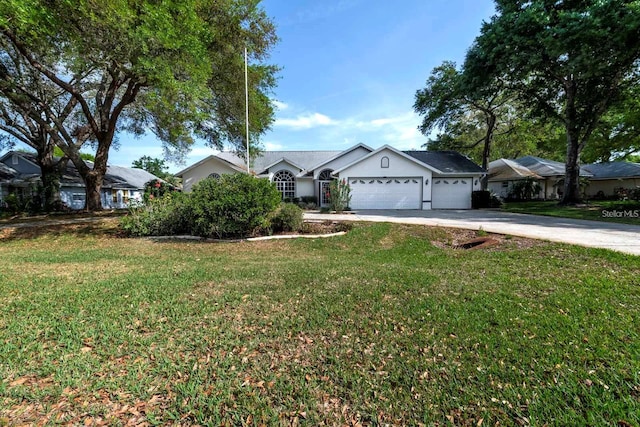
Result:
pixel 323 193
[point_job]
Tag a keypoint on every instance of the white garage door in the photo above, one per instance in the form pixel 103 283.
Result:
pixel 451 193
pixel 386 193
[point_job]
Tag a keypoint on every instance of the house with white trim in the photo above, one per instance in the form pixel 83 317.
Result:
pixel 384 178
pixel 20 174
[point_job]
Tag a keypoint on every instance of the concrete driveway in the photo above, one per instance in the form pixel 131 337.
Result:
pixel 618 237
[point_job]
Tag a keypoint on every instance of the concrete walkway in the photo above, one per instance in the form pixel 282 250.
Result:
pixel 618 237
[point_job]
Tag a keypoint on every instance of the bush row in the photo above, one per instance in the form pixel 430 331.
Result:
pixel 235 205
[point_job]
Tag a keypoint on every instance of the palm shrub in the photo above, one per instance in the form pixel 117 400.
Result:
pixel 339 195
pixel 232 205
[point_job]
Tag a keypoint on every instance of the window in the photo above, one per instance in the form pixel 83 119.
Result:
pixel 505 184
pixel 78 197
pixel 325 175
pixel 14 159
pixel 285 183
pixel 214 175
pixel 384 162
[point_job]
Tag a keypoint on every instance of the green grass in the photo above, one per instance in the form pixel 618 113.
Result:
pixel 376 327
pixel 592 210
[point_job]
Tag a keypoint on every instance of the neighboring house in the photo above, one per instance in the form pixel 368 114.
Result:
pixel 504 173
pixel 611 175
pixel 552 174
pixel 20 174
pixel 385 178
pixel 602 178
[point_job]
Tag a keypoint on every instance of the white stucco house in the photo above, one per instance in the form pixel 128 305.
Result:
pixel 385 178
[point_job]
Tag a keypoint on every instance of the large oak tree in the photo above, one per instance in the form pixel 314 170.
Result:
pixel 174 68
pixel 570 61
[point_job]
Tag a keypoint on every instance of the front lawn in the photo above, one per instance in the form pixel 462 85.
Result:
pixel 628 212
pixel 376 327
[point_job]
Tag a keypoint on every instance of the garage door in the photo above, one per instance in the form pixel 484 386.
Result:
pixel 386 193
pixel 451 193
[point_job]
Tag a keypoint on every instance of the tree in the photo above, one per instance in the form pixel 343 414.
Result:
pixel 569 61
pixel 449 101
pixel 23 95
pixel 155 167
pixel 174 67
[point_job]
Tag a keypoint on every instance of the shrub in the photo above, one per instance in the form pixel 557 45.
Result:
pixel 524 189
pixel 169 215
pixel 233 205
pixel 623 193
pixel 287 218
pixel 339 195
pixel 156 189
pixel 480 199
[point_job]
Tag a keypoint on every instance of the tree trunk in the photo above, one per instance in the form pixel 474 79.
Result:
pixel 93 186
pixel 50 175
pixel 572 166
pixel 572 194
pixel 486 152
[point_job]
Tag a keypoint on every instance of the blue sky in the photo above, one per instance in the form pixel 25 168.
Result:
pixel 350 71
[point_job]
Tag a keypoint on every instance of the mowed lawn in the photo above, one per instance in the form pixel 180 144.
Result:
pixel 377 327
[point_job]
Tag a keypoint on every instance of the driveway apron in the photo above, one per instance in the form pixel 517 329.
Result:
pixel 618 237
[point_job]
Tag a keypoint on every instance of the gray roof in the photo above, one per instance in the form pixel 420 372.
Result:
pixel 508 170
pixel 545 167
pixel 446 161
pixel 124 177
pixel 7 172
pixel 613 170
pixel 303 159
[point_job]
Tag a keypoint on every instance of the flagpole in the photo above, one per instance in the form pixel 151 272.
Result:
pixel 246 100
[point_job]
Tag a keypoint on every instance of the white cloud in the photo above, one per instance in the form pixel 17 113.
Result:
pixel 272 146
pixel 279 105
pixel 305 121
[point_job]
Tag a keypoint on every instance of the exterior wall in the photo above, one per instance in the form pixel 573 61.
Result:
pixel 17 162
pixel 305 187
pixel 74 197
pixel 283 165
pixel 197 174
pixel 607 186
pixel 398 167
pixel 341 161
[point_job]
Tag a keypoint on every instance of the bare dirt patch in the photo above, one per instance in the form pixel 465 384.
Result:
pixel 461 239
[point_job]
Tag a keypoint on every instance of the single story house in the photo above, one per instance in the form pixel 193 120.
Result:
pixel 611 175
pixel 20 174
pixel 385 178
pixel 602 178
pixel 504 173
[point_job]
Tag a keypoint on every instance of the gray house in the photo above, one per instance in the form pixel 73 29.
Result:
pixel 20 174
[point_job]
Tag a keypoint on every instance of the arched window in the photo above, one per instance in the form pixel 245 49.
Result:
pixel 214 175
pixel 285 183
pixel 384 162
pixel 325 175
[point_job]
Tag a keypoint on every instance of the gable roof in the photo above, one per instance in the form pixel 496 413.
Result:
pixel 446 162
pixel 613 170
pixel 545 167
pixel 230 159
pixel 506 170
pixel 387 147
pixel 340 154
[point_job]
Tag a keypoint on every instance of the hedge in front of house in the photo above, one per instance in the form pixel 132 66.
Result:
pixel 233 205
pixel 230 206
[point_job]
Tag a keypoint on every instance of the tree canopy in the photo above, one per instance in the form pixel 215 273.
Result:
pixel 569 61
pixel 174 68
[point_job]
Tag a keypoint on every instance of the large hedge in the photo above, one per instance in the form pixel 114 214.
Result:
pixel 231 206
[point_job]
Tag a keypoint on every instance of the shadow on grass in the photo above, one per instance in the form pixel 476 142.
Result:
pixel 104 228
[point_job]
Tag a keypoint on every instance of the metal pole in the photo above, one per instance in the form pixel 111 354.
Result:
pixel 246 100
